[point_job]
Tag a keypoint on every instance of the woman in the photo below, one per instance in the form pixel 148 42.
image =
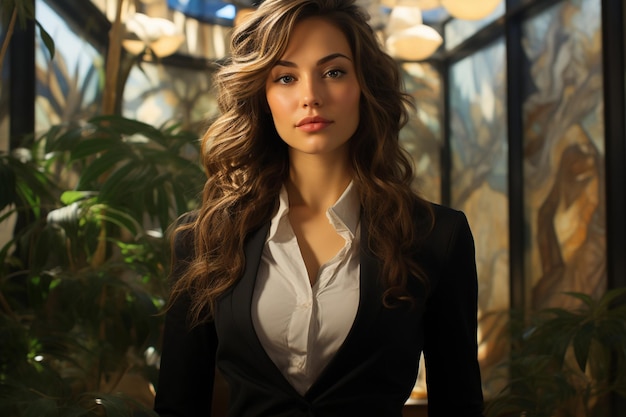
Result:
pixel 312 276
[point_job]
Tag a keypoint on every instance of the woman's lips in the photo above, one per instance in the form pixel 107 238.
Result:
pixel 313 124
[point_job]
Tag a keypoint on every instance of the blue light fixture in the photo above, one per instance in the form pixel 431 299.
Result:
pixel 209 11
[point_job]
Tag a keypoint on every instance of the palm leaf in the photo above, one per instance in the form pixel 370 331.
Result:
pixel 582 344
pixel 93 147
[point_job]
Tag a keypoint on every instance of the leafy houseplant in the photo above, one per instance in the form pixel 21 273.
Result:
pixel 567 363
pixel 14 11
pixel 82 279
pixel 81 284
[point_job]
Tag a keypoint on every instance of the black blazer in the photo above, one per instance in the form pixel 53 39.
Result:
pixel 374 370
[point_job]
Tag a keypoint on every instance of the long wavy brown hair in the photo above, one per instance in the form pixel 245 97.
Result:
pixel 246 162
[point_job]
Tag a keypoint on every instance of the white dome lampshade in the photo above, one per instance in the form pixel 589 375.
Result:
pixel 428 4
pixel 407 38
pixel 403 17
pixel 470 9
pixel 415 43
pixel 422 4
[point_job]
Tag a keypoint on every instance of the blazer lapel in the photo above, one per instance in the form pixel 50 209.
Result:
pixel 241 307
pixel 241 297
pixel 370 304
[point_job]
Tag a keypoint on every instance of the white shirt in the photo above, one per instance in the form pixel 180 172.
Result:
pixel 300 326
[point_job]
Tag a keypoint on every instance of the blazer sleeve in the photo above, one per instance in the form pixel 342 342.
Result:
pixel 187 369
pixel 450 323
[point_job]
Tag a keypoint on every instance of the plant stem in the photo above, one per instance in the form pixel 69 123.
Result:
pixel 113 62
pixel 9 35
pixel 99 254
pixel 5 306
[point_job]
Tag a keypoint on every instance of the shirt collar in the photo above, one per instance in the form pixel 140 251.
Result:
pixel 283 210
pixel 346 211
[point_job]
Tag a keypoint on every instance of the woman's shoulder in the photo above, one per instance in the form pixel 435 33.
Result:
pixel 446 227
pixel 434 217
pixel 444 216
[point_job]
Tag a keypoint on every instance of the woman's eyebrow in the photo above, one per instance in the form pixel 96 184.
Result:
pixel 320 61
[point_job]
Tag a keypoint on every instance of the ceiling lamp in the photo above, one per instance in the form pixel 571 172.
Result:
pixel 461 9
pixel 470 9
pixel 422 4
pixel 413 44
pixel 160 36
pixel 407 37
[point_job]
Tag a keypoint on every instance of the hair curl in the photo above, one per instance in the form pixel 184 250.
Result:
pixel 246 162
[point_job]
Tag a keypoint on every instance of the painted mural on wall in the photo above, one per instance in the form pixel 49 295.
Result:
pixel 479 147
pixel 422 136
pixel 564 154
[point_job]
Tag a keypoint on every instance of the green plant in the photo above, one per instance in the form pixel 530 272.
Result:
pixel 567 362
pixel 21 11
pixel 82 282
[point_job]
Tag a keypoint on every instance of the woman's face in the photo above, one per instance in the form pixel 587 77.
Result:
pixel 313 92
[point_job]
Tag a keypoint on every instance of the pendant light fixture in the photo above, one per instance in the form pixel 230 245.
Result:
pixel 407 37
pixel 460 9
pixel 470 9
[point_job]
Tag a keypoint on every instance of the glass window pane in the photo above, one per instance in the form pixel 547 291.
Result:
pixel 564 154
pixel 157 94
pixel 479 187
pixel 68 86
pixel 422 136
pixel 458 30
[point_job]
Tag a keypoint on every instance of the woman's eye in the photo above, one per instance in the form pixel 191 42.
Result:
pixel 284 79
pixel 335 73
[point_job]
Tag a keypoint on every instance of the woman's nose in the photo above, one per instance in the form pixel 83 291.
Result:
pixel 310 93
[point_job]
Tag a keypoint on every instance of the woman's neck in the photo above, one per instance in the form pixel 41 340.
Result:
pixel 317 181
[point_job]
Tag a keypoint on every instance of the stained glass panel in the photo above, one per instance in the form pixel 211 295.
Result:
pixel 564 154
pixel 422 136
pixel 422 139
pixel 479 146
